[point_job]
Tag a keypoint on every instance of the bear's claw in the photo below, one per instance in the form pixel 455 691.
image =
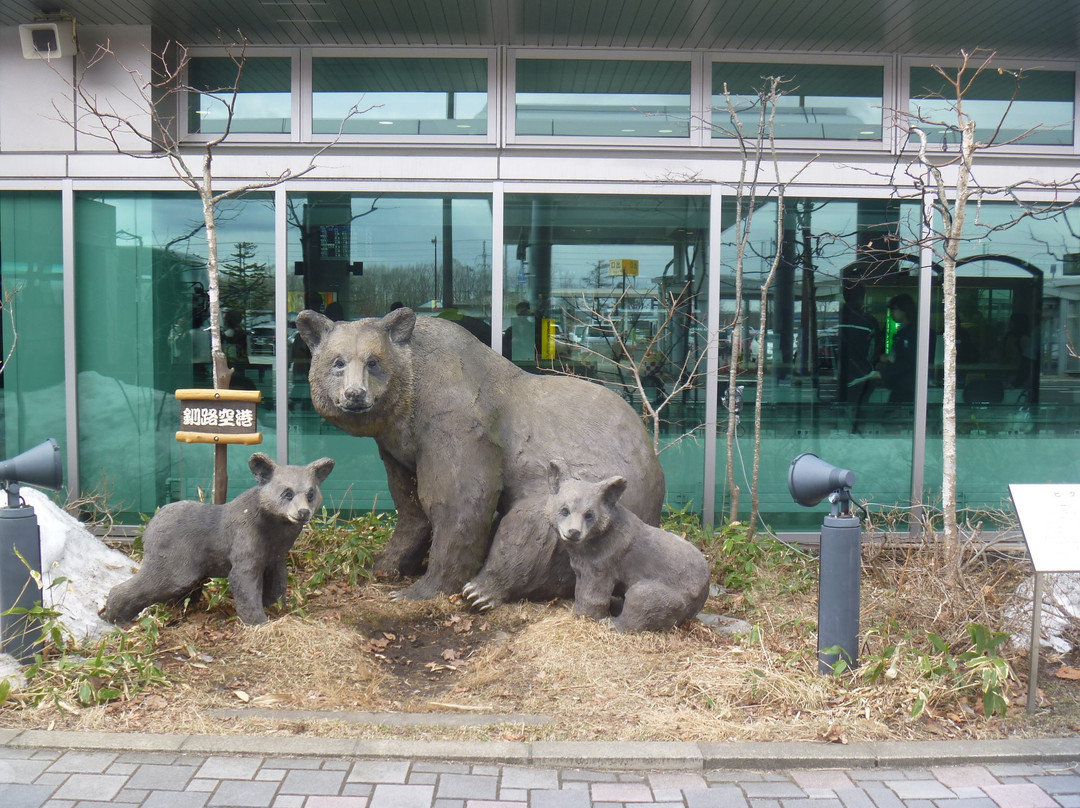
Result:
pixel 476 598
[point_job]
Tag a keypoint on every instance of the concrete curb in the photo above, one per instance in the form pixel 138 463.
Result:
pixel 630 755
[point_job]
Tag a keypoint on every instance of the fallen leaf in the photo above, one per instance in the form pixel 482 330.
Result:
pixel 834 734
pixel 450 655
pixel 240 694
pixel 1067 672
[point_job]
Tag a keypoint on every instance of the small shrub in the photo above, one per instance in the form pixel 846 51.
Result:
pixel 336 549
pixel 68 674
pixel 978 670
pixel 746 563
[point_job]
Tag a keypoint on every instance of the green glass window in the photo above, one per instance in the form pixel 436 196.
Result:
pixel 1038 111
pixel 1017 416
pixel 817 102
pixel 142 314
pixel 395 96
pixel 263 100
pixel 593 281
pixel 360 255
pixel 602 98
pixel 32 393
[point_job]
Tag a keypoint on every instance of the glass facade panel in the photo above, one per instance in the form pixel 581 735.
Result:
pixel 1018 387
pixel 141 333
pixel 818 101
pixel 263 99
pixel 32 404
pixel 1039 109
pixel 399 96
pixel 594 281
pixel 355 255
pixel 602 98
pixel 841 303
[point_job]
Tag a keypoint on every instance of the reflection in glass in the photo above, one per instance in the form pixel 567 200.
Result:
pixel 602 98
pixel 141 333
pixel 263 100
pixel 32 404
pixel 817 101
pixel 611 288
pixel 1038 109
pixel 355 255
pixel 399 96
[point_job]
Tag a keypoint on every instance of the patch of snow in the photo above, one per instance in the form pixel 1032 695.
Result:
pixel 91 569
pixel 1060 611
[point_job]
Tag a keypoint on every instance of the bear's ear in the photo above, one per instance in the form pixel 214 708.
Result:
pixel 399 324
pixel 321 469
pixel 611 489
pixel 313 327
pixel 262 467
pixel 555 475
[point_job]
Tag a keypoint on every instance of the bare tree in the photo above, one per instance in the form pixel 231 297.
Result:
pixel 642 366
pixel 140 121
pixel 757 150
pixel 932 174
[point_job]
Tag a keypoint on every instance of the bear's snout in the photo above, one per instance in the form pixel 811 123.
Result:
pixel 571 535
pixel 355 398
pixel 303 515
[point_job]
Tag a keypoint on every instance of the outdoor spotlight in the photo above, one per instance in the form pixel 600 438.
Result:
pixel 20 546
pixel 810 480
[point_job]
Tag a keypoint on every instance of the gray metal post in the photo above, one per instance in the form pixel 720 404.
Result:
pixel 19 536
pixel 1036 631
pixel 838 590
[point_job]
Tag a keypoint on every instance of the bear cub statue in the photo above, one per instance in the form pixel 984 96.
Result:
pixel 246 540
pixel 640 577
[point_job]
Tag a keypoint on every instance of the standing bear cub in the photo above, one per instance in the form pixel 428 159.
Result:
pixel 246 540
pixel 641 577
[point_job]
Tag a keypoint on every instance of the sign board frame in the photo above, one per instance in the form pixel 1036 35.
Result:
pixel 219 416
pixel 1048 515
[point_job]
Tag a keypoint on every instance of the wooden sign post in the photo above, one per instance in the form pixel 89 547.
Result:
pixel 219 416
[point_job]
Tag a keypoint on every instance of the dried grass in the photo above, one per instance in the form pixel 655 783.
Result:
pixel 685 684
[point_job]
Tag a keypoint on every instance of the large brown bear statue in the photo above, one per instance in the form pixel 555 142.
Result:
pixel 465 436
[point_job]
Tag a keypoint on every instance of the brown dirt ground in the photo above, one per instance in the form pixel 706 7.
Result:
pixel 356 649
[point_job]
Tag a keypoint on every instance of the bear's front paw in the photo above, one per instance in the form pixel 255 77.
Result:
pixel 478 598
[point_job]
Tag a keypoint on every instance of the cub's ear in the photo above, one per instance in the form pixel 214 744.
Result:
pixel 321 469
pixel 399 324
pixel 262 467
pixel 555 475
pixel 313 327
pixel 611 489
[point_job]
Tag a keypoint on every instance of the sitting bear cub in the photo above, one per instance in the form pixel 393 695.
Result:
pixel 641 577
pixel 246 539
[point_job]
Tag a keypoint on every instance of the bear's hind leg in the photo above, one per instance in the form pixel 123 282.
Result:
pixel 649 606
pixel 126 600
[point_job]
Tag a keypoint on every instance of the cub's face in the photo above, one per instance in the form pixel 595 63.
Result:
pixel 290 492
pixel 581 511
pixel 353 363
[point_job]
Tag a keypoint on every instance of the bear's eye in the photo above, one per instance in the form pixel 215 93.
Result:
pixel 588 516
pixel 373 363
pixel 564 512
pixel 311 494
pixel 338 364
pixel 287 494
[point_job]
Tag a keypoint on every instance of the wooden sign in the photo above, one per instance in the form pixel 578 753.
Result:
pixel 219 416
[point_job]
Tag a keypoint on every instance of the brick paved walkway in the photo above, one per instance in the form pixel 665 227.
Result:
pixel 42 777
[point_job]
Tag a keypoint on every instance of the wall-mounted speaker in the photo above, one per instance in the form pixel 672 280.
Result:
pixel 54 39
